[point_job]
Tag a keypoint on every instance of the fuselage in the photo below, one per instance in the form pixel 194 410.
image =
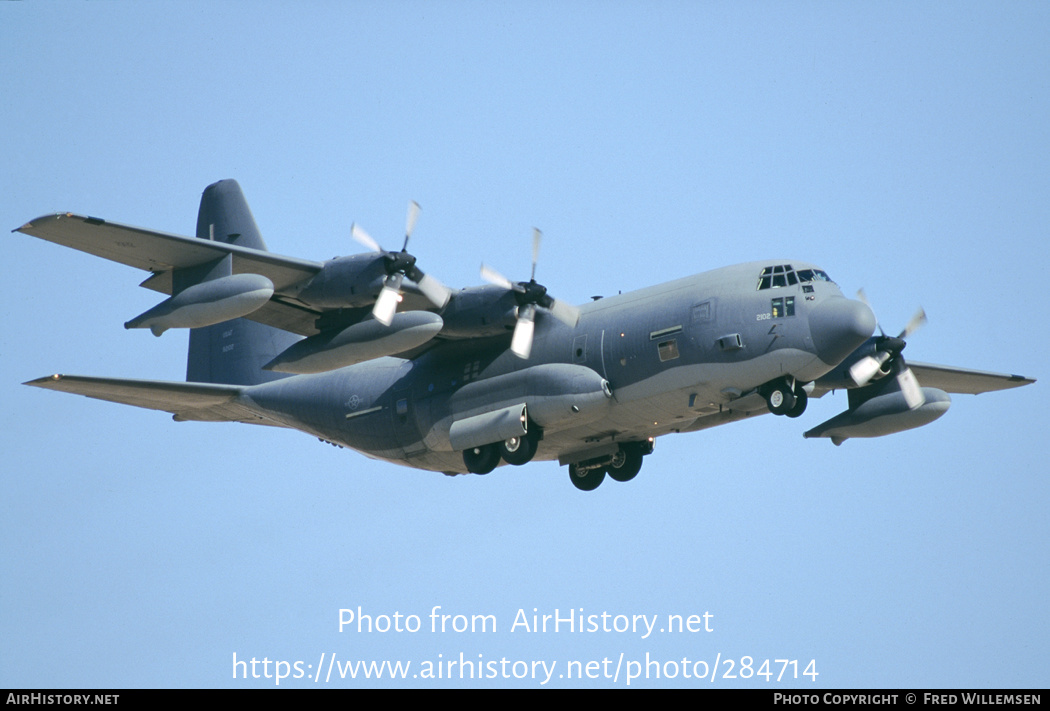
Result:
pixel 675 357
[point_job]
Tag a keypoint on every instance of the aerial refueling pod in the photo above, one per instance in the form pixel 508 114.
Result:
pixel 882 415
pixel 207 303
pixel 363 341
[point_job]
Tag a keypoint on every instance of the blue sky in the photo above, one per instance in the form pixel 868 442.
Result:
pixel 901 146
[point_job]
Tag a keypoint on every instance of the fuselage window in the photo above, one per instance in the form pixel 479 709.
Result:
pixel 783 307
pixel 668 349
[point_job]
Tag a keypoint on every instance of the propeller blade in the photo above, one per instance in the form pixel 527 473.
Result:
pixel 493 277
pixel 536 237
pixel 521 342
pixel 917 321
pixel 389 298
pixel 565 312
pixel 865 369
pixel 410 221
pixel 434 290
pixel 909 386
pixel 529 296
pixel 363 238
pixel 868 367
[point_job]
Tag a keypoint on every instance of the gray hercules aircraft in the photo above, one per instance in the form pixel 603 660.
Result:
pixel 369 352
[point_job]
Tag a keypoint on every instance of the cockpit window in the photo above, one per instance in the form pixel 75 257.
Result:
pixel 785 275
pixel 805 275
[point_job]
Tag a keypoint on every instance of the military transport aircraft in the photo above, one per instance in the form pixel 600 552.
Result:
pixel 368 352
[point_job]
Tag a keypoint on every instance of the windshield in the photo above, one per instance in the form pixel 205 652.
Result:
pixel 785 275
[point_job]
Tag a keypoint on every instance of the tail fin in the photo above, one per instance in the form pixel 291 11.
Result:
pixel 232 352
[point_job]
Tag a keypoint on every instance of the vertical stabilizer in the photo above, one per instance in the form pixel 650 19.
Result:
pixel 232 352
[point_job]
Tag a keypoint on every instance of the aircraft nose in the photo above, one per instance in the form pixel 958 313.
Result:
pixel 838 327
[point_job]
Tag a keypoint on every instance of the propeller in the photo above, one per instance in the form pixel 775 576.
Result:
pixel 529 296
pixel 888 350
pixel 398 266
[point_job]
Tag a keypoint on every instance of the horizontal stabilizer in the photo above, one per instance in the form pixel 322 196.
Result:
pixel 187 401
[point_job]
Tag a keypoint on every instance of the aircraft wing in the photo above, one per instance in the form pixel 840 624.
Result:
pixel 160 253
pixel 187 401
pixel 963 380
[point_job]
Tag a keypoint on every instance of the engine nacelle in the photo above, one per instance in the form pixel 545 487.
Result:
pixel 346 282
pixel 480 311
pixel 207 303
pixel 882 415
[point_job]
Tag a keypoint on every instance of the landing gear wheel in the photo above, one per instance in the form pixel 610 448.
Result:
pixel 517 450
pixel 780 398
pixel 626 463
pixel 801 400
pixel 481 460
pixel 588 480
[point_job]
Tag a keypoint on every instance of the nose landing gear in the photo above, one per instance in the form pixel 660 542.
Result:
pixel 785 396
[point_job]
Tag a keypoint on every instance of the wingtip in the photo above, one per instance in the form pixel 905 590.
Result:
pixel 44 381
pixel 37 222
pixel 27 226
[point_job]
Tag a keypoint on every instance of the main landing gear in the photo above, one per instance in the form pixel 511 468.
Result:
pixel 624 465
pixel 481 460
pixel 516 451
pixel 785 396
